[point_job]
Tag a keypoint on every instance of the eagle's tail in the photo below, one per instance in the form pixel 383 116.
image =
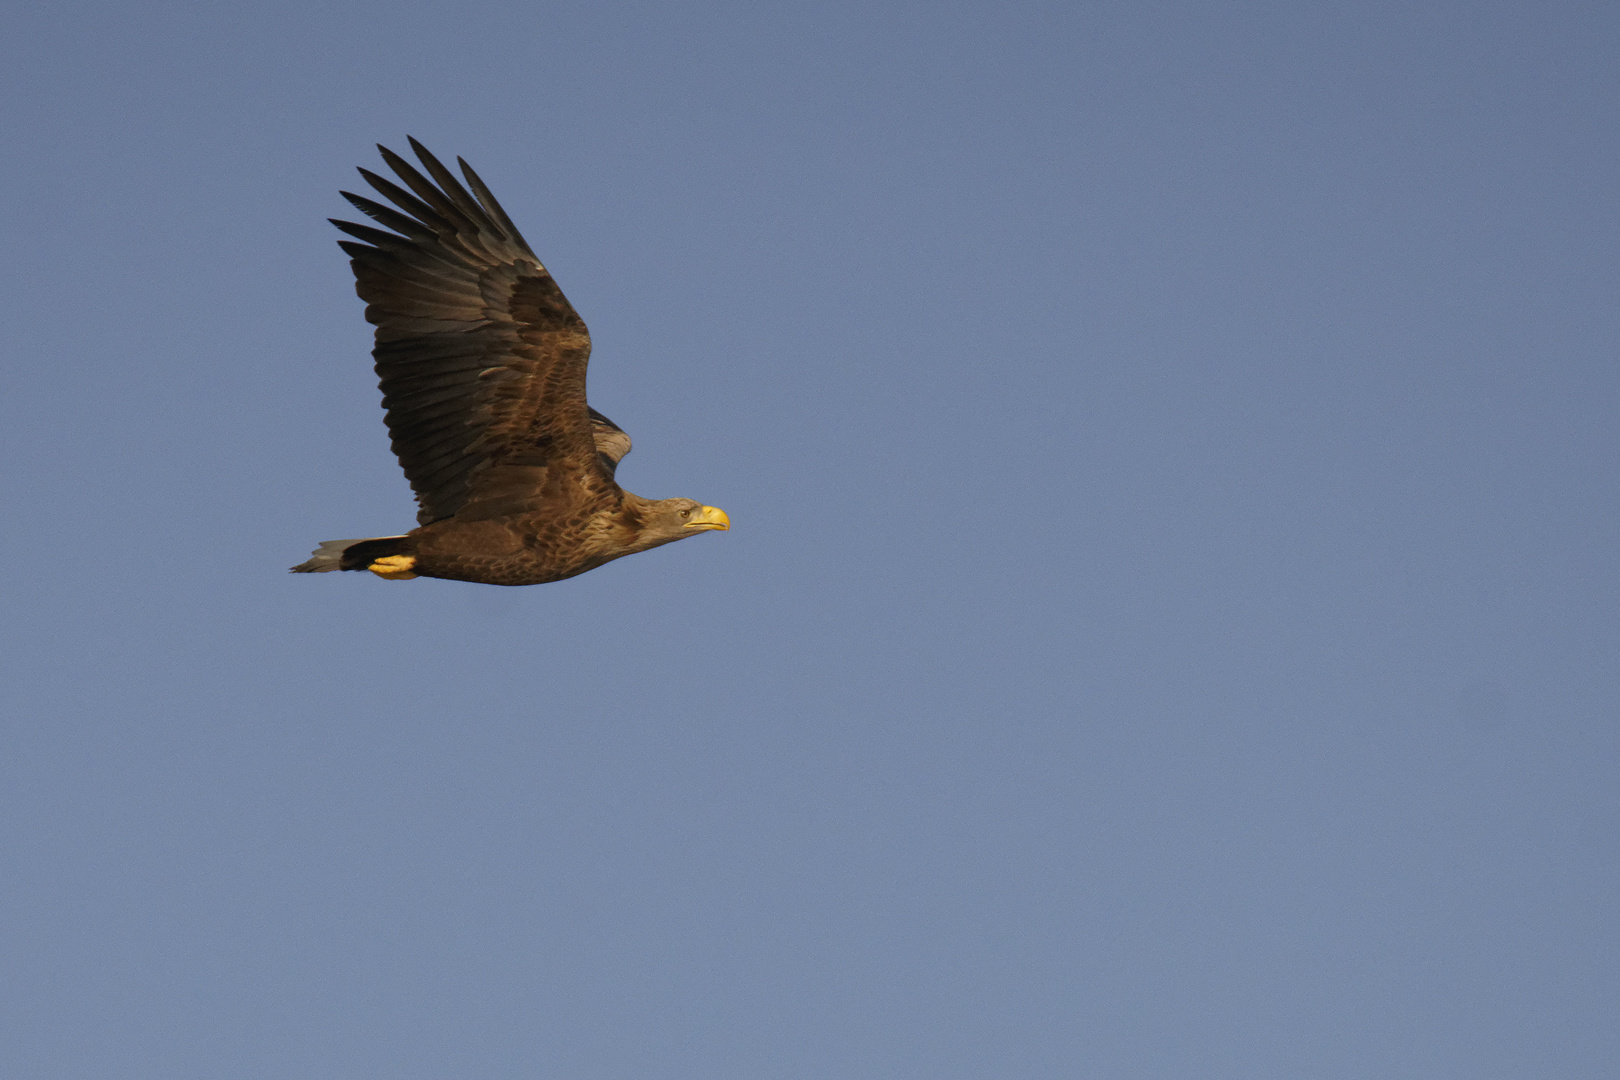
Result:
pixel 349 554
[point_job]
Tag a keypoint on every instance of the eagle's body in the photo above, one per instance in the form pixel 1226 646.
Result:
pixel 482 367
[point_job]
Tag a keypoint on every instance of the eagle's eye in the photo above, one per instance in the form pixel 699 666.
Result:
pixel 685 514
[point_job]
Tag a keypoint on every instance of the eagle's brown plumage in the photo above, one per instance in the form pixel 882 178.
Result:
pixel 481 362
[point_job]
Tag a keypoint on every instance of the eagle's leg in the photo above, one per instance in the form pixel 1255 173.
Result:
pixel 394 567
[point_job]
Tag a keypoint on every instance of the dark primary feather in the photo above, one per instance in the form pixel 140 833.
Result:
pixel 480 356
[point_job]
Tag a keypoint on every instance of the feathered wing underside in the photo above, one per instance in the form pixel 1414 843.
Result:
pixel 612 443
pixel 480 357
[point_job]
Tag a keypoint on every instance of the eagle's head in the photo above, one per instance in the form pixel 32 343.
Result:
pixel 667 520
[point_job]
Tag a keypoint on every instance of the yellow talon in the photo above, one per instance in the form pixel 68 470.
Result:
pixel 394 567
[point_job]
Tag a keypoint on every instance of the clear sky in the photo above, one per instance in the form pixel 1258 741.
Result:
pixel 1169 625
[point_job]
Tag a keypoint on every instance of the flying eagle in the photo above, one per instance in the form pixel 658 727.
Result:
pixel 481 362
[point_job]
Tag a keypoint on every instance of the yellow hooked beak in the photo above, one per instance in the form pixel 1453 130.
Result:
pixel 709 517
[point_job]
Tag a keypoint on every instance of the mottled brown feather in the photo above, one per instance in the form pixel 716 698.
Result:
pixel 480 357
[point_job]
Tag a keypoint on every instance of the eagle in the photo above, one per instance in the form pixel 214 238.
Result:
pixel 481 361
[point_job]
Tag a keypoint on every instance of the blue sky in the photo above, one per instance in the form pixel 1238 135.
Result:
pixel 1168 627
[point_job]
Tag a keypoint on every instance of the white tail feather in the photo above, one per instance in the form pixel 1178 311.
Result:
pixel 330 554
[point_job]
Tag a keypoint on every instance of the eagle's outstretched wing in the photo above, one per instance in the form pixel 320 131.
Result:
pixel 480 356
